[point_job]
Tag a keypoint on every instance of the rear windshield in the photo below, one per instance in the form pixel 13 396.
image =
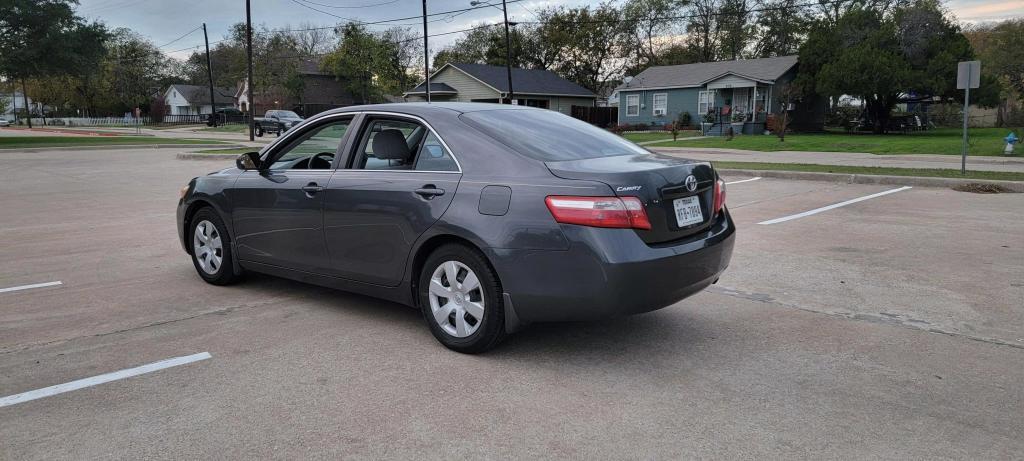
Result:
pixel 549 136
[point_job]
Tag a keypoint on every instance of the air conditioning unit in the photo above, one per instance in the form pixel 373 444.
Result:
pixel 659 111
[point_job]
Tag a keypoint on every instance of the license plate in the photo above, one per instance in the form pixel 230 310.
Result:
pixel 688 211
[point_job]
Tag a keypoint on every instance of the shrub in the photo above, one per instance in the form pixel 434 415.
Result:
pixel 684 120
pixel 709 117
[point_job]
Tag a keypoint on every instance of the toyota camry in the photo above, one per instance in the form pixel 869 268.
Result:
pixel 485 217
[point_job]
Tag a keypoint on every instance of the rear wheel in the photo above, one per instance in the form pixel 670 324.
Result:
pixel 211 248
pixel 461 299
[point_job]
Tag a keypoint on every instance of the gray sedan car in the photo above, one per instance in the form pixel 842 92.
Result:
pixel 486 217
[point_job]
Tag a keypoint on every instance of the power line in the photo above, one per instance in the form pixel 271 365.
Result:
pixel 182 36
pixel 351 7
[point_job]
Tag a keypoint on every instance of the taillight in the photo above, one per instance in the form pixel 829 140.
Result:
pixel 719 195
pixel 618 212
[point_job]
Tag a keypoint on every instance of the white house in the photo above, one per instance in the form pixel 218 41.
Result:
pixel 11 102
pixel 195 99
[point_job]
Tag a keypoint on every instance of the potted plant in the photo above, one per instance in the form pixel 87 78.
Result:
pixel 738 118
pixel 708 120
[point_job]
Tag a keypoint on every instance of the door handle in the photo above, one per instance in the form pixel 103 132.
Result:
pixel 429 191
pixel 312 188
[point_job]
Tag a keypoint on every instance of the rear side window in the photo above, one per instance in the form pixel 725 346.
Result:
pixel 548 135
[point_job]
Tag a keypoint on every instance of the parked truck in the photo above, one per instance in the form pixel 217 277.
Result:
pixel 277 122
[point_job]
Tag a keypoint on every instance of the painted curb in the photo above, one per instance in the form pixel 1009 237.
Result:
pixel 916 181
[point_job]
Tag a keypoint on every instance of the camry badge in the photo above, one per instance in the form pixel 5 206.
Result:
pixel 691 183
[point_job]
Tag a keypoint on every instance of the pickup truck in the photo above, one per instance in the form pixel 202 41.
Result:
pixel 276 121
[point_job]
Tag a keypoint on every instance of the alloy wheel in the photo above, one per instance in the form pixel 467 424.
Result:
pixel 207 247
pixel 456 299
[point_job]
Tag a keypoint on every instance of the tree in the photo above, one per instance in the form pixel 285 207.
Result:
pixel 1000 47
pixel 589 41
pixel 735 28
pixel 648 26
pixel 368 64
pixel 132 70
pixel 703 31
pixel 878 56
pixel 780 28
pixel 44 37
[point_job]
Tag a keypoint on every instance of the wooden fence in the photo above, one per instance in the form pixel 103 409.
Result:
pixel 599 116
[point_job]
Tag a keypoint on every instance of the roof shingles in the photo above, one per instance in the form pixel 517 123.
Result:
pixel 691 75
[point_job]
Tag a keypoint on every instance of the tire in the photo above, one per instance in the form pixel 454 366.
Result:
pixel 258 131
pixel 217 265
pixel 471 335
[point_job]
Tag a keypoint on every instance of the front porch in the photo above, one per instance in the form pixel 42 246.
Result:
pixel 734 102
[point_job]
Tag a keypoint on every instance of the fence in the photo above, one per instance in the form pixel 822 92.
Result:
pixel 600 116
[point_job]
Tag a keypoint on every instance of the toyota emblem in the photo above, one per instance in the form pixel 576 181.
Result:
pixel 691 183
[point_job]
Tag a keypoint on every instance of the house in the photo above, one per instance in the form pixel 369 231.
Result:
pixel 15 101
pixel 484 83
pixel 195 99
pixel 320 91
pixel 746 89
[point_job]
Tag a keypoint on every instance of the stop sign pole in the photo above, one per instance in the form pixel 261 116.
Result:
pixel 968 75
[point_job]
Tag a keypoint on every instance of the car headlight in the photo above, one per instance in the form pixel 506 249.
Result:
pixel 183 193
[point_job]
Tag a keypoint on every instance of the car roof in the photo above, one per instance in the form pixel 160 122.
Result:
pixel 429 108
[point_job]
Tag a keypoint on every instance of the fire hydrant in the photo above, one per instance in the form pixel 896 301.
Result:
pixel 1010 139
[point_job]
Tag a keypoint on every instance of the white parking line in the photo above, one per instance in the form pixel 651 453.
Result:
pixel 29 287
pixel 833 206
pixel 100 379
pixel 743 180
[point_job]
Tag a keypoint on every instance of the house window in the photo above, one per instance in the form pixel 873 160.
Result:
pixel 660 103
pixel 632 105
pixel 705 101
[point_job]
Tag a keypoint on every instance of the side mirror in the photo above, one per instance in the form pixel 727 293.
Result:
pixel 248 161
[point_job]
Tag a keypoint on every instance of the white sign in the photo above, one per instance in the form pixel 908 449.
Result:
pixel 968 75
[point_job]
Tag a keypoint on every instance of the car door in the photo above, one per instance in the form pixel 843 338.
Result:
pixel 278 210
pixel 399 180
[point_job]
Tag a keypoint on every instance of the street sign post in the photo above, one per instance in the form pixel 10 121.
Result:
pixel 968 75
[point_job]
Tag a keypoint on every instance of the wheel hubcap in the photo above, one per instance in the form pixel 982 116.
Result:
pixel 207 247
pixel 456 299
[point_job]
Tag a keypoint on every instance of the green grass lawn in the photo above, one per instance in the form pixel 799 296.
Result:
pixel 983 141
pixel 925 172
pixel 657 135
pixel 229 128
pixel 20 142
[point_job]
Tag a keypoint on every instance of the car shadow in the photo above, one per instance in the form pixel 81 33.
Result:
pixel 665 333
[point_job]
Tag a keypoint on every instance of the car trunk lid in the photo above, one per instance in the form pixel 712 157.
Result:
pixel 660 182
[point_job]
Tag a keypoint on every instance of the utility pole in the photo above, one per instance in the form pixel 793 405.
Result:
pixel 24 97
pixel 426 51
pixel 508 53
pixel 508 45
pixel 209 74
pixel 248 49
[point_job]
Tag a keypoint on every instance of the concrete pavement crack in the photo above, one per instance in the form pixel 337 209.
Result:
pixel 883 318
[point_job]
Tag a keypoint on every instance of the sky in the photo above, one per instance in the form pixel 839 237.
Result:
pixel 165 22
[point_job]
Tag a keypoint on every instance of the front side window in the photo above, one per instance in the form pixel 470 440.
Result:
pixel 632 105
pixel 314 149
pixel 660 103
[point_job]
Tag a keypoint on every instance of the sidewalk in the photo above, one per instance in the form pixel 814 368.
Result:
pixel 951 162
pixel 178 133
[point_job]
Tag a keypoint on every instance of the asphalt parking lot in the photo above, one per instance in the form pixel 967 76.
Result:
pixel 891 327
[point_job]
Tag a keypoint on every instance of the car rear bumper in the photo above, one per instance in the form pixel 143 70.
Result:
pixel 611 272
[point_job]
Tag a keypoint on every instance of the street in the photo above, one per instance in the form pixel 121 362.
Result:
pixel 889 327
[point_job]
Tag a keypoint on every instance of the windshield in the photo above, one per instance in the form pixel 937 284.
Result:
pixel 549 136
pixel 287 114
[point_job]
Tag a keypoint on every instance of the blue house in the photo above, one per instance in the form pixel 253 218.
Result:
pixel 739 94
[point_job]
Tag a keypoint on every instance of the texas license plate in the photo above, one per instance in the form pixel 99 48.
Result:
pixel 688 211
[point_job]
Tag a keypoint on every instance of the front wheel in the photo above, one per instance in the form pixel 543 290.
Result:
pixel 258 131
pixel 461 299
pixel 211 248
